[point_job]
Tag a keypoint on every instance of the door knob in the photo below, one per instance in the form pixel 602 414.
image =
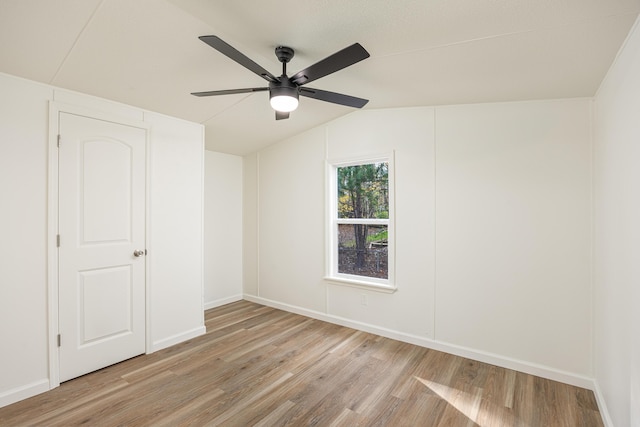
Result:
pixel 138 253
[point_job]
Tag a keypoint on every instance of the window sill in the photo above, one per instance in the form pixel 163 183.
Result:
pixel 361 284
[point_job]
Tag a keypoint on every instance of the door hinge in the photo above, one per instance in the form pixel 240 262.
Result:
pixel 58 240
pixel 59 340
pixel 58 143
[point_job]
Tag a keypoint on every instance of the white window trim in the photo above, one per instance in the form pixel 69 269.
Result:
pixel 382 285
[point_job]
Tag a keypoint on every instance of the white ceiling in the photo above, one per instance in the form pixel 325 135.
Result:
pixel 423 52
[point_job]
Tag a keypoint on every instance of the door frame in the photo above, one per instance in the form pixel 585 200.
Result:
pixel 55 108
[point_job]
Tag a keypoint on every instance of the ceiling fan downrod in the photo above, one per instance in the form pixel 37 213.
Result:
pixel 284 55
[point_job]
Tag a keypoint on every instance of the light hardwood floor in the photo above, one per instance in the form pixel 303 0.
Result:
pixel 265 367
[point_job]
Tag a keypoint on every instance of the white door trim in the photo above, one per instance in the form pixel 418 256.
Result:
pixel 55 108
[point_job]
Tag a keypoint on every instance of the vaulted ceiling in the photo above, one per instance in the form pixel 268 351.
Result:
pixel 146 53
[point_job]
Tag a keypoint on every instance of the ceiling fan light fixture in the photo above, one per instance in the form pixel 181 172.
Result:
pixel 284 103
pixel 283 98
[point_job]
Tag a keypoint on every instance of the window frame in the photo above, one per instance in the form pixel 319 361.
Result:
pixel 332 275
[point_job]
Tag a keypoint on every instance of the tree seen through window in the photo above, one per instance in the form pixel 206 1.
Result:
pixel 363 201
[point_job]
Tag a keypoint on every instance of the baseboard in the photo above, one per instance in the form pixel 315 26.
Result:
pixel 24 392
pixel 481 356
pixel 602 404
pixel 222 301
pixel 178 338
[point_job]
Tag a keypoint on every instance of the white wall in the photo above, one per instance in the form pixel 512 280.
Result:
pixel 617 236
pixel 23 249
pixel 250 225
pixel 223 229
pixel 493 230
pixel 513 229
pixel 291 221
pixel 175 273
pixel 176 162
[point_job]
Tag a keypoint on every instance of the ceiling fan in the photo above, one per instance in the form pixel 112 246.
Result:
pixel 284 91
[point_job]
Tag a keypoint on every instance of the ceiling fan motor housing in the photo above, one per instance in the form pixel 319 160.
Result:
pixel 284 87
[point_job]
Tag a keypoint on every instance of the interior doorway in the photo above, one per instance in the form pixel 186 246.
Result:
pixel 100 240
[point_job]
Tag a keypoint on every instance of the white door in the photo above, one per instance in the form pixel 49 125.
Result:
pixel 102 173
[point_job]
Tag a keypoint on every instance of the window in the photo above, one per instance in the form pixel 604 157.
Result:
pixel 361 218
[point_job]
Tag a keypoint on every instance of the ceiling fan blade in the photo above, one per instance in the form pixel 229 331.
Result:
pixel 336 98
pixel 230 91
pixel 281 116
pixel 339 60
pixel 223 47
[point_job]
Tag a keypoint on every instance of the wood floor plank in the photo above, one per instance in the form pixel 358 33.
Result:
pixel 272 418
pixel 346 418
pixel 265 367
